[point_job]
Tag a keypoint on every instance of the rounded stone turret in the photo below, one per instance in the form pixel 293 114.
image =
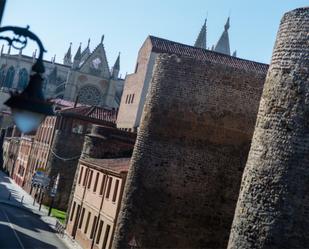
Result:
pixel 94 142
pixel 272 209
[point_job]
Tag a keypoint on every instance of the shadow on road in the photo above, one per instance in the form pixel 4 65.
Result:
pixel 9 240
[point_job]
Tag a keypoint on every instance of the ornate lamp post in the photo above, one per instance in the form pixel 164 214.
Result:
pixel 29 107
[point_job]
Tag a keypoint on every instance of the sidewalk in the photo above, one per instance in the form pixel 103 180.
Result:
pixel 20 198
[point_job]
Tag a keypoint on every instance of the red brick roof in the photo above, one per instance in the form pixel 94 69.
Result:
pixel 117 165
pixel 64 103
pixel 92 112
pixel 166 46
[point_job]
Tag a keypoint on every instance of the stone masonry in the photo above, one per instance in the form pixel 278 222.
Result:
pixel 272 210
pixel 191 149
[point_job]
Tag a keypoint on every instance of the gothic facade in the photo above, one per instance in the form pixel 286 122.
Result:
pixel 85 78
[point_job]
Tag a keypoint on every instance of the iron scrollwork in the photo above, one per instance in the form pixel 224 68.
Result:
pixel 21 37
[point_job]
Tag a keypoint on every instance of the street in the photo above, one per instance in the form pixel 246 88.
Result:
pixel 22 229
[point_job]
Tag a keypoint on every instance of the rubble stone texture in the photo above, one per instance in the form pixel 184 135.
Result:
pixel 192 146
pixel 273 206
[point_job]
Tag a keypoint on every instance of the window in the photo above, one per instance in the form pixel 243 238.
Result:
pixel 106 236
pixel 102 184
pixel 9 77
pixel 115 190
pixel 73 210
pixel 81 218
pixel 109 187
pixel 132 98
pixel 93 227
pixel 127 98
pixel 90 178
pixel 99 232
pixel 22 79
pixel 80 175
pixel 87 222
pixel 85 177
pixel 96 182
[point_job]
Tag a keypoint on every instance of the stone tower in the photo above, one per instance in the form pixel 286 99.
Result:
pixel 192 146
pixel 272 209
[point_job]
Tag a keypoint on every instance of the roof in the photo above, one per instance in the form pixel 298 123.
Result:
pixel 117 165
pixel 64 103
pixel 92 112
pixel 160 45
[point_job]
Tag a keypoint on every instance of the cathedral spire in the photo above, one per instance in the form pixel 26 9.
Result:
pixel 116 67
pixel 9 49
pixel 201 39
pixel 78 52
pixel 102 39
pixel 67 60
pixel 88 43
pixel 223 45
pixel 77 57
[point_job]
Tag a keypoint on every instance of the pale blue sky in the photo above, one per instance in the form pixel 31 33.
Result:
pixel 127 23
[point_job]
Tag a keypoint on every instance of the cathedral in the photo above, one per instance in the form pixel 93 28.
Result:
pixel 85 77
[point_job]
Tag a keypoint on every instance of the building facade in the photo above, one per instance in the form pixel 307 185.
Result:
pixel 96 201
pixel 21 167
pixel 10 149
pixel 86 77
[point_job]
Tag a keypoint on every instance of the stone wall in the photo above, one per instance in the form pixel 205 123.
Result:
pixel 66 145
pixel 272 210
pixel 191 149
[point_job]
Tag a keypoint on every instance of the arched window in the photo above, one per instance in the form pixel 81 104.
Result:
pixel 8 82
pixel 23 79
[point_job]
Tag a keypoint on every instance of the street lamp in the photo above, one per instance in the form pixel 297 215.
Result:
pixel 29 107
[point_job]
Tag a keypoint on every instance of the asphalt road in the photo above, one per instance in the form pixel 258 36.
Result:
pixel 20 229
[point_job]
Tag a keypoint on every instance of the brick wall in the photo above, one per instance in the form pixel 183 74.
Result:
pixel 187 163
pixel 137 84
pixel 272 210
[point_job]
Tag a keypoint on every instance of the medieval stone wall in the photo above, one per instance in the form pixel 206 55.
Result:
pixel 191 149
pixel 272 210
pixel 65 145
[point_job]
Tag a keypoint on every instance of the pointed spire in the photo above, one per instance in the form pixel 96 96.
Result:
pixel 2 48
pixel 53 59
pixel 78 53
pixel 77 57
pixel 67 60
pixel 227 25
pixel 88 43
pixel 9 49
pixel 69 54
pixel 223 45
pixel 116 67
pixel 34 55
pixel 201 39
pixel 102 39
pixel 234 53
pixel 117 63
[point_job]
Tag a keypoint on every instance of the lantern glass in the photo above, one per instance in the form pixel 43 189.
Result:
pixel 27 121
